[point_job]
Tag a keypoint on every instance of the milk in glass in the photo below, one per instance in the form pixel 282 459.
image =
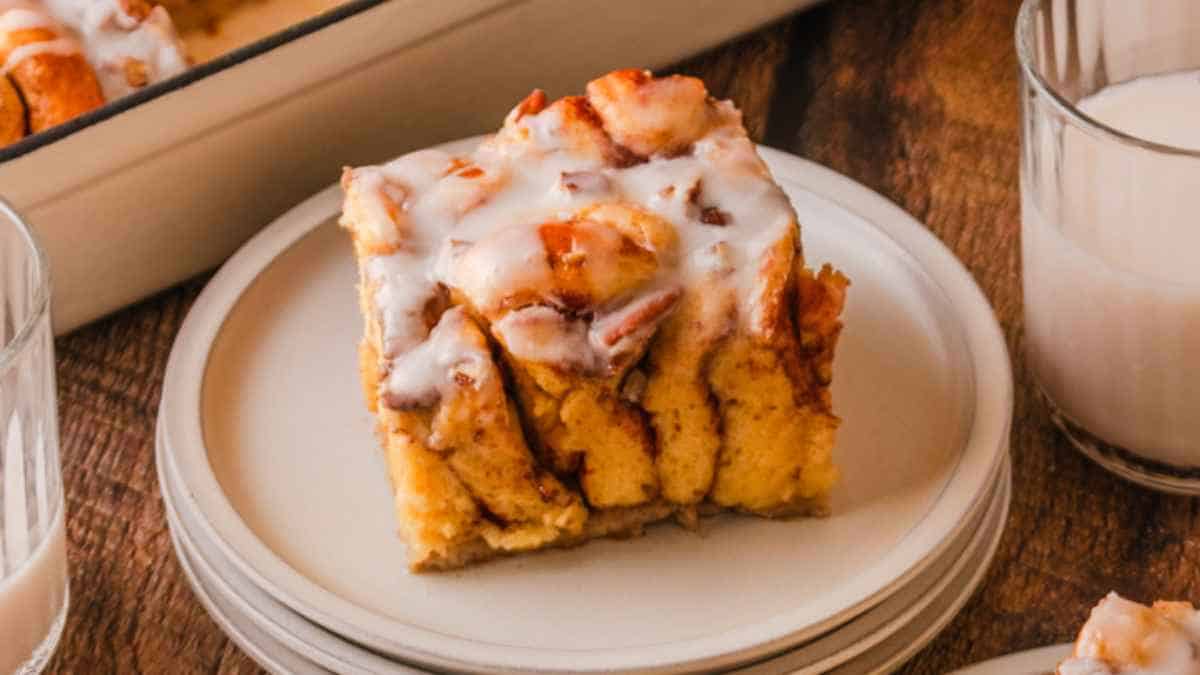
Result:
pixel 1112 269
pixel 32 596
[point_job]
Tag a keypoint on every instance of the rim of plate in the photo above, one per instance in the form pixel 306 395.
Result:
pixel 879 663
pixel 985 445
pixel 989 526
pixel 986 537
pixel 1039 661
pixel 253 647
pixel 987 522
pixel 293 633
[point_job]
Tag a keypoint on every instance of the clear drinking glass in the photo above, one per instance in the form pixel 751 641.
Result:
pixel 33 560
pixel 1110 197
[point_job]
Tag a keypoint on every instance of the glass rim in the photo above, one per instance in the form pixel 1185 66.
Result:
pixel 41 295
pixel 1089 124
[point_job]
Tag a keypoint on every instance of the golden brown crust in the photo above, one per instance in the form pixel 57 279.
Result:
pixel 56 87
pixel 774 453
pixel 678 398
pixel 616 523
pixel 648 115
pixel 477 429
pixel 820 300
pixel 12 113
pixel 461 469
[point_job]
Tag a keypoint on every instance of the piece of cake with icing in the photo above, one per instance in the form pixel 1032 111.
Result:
pixel 598 319
pixel 1122 637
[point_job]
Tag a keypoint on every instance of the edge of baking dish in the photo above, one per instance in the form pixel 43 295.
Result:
pixel 193 74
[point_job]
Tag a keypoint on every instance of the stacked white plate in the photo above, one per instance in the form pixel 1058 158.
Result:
pixel 280 508
pixel 1042 661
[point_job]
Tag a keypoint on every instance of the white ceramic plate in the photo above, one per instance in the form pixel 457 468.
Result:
pixel 844 644
pixel 264 411
pixel 307 642
pixel 1041 661
pixel 870 636
pixel 838 646
pixel 901 646
pixel 271 655
pixel 242 604
pixel 902 611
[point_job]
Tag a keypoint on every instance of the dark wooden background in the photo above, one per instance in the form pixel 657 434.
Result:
pixel 915 99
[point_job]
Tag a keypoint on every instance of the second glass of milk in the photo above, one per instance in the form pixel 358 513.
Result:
pixel 33 553
pixel 1110 205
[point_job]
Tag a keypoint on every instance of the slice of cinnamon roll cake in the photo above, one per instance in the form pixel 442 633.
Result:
pixel 1122 637
pixel 598 319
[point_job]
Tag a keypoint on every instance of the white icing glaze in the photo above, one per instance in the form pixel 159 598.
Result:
pixel 25 15
pixel 626 330
pixel 22 17
pixel 18 15
pixel 543 334
pixel 402 290
pixel 475 225
pixel 61 46
pixel 1125 638
pixel 503 260
pixel 429 371
pixel 112 39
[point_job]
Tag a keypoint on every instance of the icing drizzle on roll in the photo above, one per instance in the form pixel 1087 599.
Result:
pixel 23 15
pixel 129 43
pixel 1126 638
pixel 576 228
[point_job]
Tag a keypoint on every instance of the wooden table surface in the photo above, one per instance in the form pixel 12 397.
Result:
pixel 915 99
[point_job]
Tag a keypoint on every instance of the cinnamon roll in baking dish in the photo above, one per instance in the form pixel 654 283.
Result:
pixel 599 319
pixel 45 66
pixel 63 58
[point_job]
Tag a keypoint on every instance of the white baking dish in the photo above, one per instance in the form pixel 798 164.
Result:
pixel 164 184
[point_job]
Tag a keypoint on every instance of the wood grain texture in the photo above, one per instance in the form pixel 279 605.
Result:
pixel 915 99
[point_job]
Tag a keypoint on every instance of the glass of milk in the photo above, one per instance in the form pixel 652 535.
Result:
pixel 33 559
pixel 1110 207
